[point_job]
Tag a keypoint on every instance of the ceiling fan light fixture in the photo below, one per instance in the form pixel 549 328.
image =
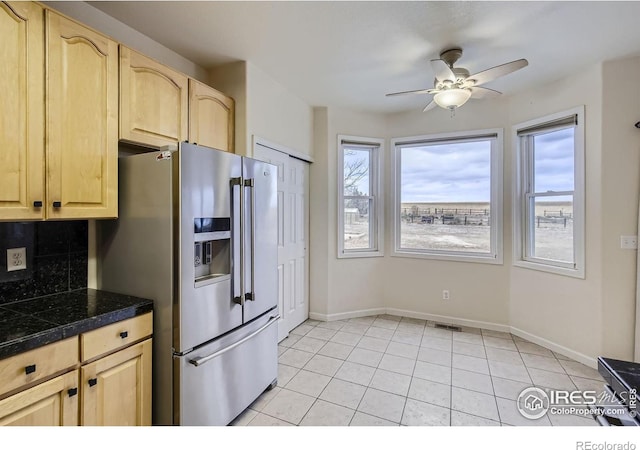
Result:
pixel 452 98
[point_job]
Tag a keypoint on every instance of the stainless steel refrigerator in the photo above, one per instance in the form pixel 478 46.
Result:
pixel 197 233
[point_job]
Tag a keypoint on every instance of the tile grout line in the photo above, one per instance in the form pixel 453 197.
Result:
pixel 451 386
pixel 495 397
pixel 415 360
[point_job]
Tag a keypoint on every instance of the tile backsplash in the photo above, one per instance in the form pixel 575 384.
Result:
pixel 56 256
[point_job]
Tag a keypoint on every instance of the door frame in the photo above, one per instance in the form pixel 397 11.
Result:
pixel 257 140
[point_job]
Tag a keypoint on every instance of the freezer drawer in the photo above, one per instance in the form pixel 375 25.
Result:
pixel 217 382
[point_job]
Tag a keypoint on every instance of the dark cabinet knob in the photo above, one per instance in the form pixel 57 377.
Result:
pixel 57 204
pixel 72 391
pixel 37 204
pixel 93 382
pixel 30 369
pixel 124 334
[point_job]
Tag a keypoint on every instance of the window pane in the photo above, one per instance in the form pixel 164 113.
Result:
pixel 445 194
pixel 356 171
pixel 357 226
pixel 553 228
pixel 554 161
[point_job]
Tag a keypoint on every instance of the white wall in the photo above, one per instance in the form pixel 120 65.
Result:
pixel 320 256
pixel 232 80
pixel 586 317
pixel 561 309
pixel 276 114
pixel 264 109
pixel 478 292
pixel 409 285
pixel 353 284
pixel 620 191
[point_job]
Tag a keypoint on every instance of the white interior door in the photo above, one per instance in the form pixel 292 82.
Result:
pixel 293 230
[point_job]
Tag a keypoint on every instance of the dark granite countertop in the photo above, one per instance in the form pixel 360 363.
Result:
pixel 29 324
pixel 626 371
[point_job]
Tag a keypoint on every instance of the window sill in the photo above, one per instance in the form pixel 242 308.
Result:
pixel 363 254
pixel 471 258
pixel 564 271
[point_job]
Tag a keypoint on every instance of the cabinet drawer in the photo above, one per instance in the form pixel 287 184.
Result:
pixel 37 364
pixel 112 337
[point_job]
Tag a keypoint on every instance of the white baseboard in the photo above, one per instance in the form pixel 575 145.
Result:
pixel 346 315
pixel 577 356
pixel 413 314
pixel 580 357
pixel 449 320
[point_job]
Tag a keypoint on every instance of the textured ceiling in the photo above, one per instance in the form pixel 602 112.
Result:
pixel 349 54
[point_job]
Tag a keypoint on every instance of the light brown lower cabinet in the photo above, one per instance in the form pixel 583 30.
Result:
pixel 52 403
pixel 116 389
pixel 102 377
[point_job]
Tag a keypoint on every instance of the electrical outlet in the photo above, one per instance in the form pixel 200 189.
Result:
pixel 445 295
pixel 16 259
pixel 629 242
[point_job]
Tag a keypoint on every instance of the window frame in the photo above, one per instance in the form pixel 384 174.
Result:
pixel 376 220
pixel 495 256
pixel 523 170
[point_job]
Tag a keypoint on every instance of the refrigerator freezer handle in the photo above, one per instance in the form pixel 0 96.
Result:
pixel 200 361
pixel 238 182
pixel 250 183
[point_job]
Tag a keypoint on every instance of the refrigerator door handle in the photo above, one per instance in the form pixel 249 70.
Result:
pixel 237 181
pixel 200 361
pixel 250 183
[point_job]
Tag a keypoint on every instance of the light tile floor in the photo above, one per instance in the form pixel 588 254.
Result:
pixel 390 370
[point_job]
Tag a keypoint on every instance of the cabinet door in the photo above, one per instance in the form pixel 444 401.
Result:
pixel 82 124
pixel 153 101
pixel 21 111
pixel 117 388
pixel 52 403
pixel 211 117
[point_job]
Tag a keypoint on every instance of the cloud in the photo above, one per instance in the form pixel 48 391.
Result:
pixel 458 172
pixel 554 161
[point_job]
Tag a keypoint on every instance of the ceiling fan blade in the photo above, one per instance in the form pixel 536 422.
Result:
pixel 442 70
pixel 419 91
pixel 432 104
pixel 482 92
pixel 498 71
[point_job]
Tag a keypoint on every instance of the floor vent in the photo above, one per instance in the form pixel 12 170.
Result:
pixel 447 327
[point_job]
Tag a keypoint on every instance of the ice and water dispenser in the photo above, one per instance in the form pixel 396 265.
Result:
pixel 212 250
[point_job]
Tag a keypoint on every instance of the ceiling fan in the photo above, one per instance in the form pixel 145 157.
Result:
pixel 453 86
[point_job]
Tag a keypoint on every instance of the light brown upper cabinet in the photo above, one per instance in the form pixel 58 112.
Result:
pixel 21 111
pixel 211 117
pixel 64 82
pixel 82 121
pixel 153 101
